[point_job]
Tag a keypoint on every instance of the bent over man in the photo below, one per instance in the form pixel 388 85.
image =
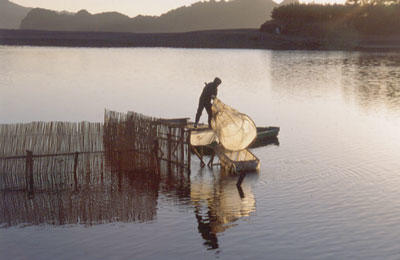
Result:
pixel 209 92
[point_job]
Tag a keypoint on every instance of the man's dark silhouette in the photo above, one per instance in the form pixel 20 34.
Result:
pixel 209 92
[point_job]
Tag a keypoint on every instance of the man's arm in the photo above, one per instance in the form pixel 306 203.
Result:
pixel 214 93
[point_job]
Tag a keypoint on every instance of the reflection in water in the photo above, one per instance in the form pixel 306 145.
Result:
pixel 103 183
pixel 305 73
pixel 219 203
pixel 220 198
pixel 265 142
pixel 105 196
pixel 131 196
pixel 372 79
pixel 128 197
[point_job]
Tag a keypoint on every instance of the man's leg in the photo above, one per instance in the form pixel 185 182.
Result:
pixel 198 114
pixel 209 112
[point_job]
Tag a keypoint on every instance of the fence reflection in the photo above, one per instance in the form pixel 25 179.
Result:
pixel 110 173
pixel 132 201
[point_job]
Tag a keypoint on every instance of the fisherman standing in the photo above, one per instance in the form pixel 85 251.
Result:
pixel 209 92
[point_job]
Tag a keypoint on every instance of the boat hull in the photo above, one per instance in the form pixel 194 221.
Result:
pixel 265 136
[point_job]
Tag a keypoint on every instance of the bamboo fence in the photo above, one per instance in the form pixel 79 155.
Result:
pixel 63 155
pixel 50 138
pixel 91 173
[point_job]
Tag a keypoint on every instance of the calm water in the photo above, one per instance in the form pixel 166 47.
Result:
pixel 329 190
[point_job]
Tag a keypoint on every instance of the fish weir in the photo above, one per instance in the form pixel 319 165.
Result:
pixel 50 138
pixel 48 156
pixel 145 143
pixel 42 155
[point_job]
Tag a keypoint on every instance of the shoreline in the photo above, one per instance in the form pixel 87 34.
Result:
pixel 218 39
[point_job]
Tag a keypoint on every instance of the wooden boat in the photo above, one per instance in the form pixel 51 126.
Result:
pixel 236 162
pixel 265 136
pixel 204 143
pixel 267 132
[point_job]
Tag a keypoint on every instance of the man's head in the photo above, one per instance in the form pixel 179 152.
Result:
pixel 217 81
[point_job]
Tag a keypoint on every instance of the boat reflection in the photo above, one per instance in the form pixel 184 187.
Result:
pixel 219 203
pixel 265 142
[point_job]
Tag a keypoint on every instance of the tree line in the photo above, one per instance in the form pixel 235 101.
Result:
pixel 361 17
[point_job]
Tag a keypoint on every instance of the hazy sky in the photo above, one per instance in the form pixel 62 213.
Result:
pixel 128 7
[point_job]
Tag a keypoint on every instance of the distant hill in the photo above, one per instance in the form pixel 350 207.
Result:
pixel 208 15
pixel 11 14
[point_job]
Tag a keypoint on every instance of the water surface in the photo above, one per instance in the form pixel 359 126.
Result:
pixel 329 189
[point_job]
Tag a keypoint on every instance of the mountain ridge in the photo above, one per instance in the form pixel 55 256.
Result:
pixel 11 14
pixel 209 15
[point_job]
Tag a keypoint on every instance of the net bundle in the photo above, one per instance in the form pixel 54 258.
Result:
pixel 235 130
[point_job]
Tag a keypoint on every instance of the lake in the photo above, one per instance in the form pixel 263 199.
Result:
pixel 328 190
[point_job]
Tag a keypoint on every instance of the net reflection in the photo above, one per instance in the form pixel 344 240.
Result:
pixel 218 203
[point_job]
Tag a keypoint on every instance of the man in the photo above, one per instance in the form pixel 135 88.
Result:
pixel 209 92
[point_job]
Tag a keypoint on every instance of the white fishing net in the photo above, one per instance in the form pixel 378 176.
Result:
pixel 203 137
pixel 235 130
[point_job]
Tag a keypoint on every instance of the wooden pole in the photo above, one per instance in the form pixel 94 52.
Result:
pixel 169 149
pixel 240 190
pixel 156 160
pixel 119 171
pixel 182 140
pixel 29 171
pixel 189 155
pixel 202 163
pixel 239 182
pixel 176 148
pixel 135 143
pixel 102 172
pixel 75 169
pixel 211 161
